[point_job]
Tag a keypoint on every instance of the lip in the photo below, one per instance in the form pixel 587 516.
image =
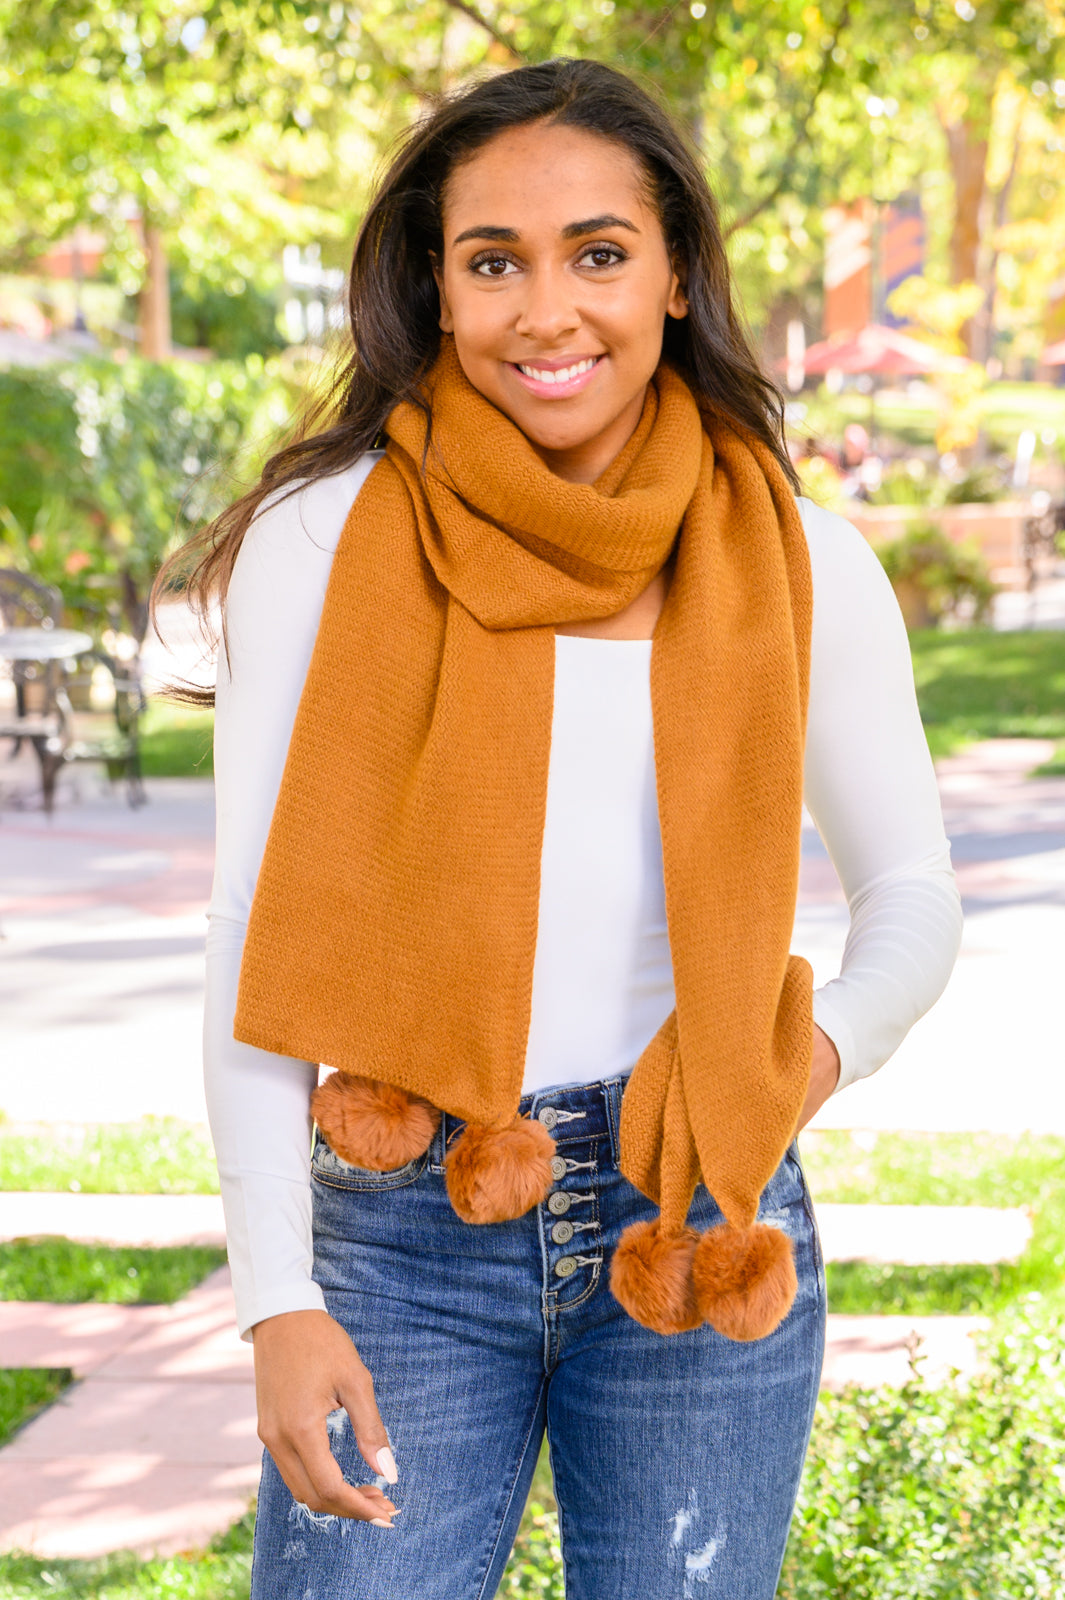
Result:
pixel 557 391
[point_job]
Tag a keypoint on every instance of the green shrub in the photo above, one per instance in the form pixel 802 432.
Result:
pixel 122 461
pixel 953 1492
pixel 932 576
pixel 912 484
pixel 233 326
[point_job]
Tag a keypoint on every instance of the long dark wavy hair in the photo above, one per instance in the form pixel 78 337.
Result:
pixel 393 306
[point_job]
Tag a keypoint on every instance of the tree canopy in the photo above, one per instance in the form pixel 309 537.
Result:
pixel 231 127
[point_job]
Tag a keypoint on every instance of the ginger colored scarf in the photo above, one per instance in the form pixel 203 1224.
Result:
pixel 394 923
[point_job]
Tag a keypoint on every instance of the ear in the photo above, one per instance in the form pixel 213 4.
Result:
pixel 677 304
pixel 446 323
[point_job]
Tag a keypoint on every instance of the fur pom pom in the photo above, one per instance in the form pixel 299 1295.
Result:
pixel 651 1276
pixel 373 1124
pixel 744 1279
pixel 494 1175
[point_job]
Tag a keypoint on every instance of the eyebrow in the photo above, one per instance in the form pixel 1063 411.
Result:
pixel 572 230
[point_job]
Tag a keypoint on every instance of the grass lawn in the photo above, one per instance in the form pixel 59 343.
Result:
pixel 158 1155
pixel 942 1169
pixel 973 684
pixel 982 685
pixel 945 1169
pixel 25 1391
pixel 176 741
pixel 64 1272
pixel 221 1572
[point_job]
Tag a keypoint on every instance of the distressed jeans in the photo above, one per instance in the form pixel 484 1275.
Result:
pixel 676 1459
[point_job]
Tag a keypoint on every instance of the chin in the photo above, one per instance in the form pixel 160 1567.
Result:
pixel 563 434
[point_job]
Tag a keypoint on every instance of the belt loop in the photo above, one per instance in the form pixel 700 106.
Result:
pixel 612 1092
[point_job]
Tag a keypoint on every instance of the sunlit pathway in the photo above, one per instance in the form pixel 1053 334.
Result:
pixel 100 989
pixel 154 1449
pixel 101 974
pixel 988 1057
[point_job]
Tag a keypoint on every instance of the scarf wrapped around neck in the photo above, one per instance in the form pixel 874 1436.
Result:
pixel 394 923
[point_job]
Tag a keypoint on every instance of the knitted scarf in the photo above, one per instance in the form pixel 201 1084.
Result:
pixel 394 922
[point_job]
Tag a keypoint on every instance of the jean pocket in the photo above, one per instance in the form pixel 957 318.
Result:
pixel 811 1216
pixel 329 1168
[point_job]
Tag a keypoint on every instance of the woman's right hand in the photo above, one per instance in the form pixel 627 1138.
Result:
pixel 305 1367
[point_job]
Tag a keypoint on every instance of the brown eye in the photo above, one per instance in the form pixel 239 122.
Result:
pixel 603 255
pixel 491 266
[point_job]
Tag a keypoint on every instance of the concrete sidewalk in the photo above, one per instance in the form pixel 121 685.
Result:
pixel 910 1235
pixel 101 989
pixel 155 1448
pixel 102 977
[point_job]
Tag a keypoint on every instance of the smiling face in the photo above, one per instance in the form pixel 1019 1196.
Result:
pixel 556 281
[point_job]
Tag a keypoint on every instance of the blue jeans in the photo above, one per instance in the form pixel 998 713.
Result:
pixel 676 1459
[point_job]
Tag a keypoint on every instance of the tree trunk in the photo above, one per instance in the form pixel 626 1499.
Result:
pixel 984 322
pixel 967 129
pixel 154 304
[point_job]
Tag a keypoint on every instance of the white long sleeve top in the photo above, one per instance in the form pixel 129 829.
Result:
pixel 602 981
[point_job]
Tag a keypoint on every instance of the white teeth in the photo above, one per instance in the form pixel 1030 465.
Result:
pixel 563 375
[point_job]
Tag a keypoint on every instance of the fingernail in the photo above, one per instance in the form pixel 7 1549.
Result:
pixel 386 1465
pixel 379 1522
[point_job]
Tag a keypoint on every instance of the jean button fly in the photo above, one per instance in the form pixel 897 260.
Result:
pixel 558 1204
pixel 558 1167
pixel 565 1267
pixel 548 1116
pixel 562 1232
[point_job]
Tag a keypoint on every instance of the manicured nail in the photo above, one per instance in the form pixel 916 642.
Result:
pixel 379 1522
pixel 386 1465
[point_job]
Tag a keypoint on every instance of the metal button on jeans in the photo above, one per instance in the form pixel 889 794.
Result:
pixel 548 1116
pixel 558 1204
pixel 562 1232
pixel 565 1266
pixel 558 1167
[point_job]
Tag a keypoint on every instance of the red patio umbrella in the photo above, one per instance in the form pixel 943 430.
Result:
pixel 880 351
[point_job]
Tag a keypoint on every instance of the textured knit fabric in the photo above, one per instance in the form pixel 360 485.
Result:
pixel 394 925
pixel 870 790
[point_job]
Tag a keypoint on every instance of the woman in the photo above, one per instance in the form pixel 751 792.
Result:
pixel 554 1182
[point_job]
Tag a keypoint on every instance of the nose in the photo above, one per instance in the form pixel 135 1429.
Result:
pixel 547 312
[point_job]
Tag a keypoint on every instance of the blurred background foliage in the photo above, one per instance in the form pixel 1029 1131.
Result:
pixel 107 467
pixel 234 126
pixel 199 148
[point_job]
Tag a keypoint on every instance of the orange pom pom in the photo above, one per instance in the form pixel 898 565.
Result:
pixel 494 1175
pixel 651 1276
pixel 744 1279
pixel 373 1124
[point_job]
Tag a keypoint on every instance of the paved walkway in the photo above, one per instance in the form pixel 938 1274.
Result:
pixel 100 988
pixel 101 982
pixel 913 1235
pixel 155 1448
pixel 1000 1017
